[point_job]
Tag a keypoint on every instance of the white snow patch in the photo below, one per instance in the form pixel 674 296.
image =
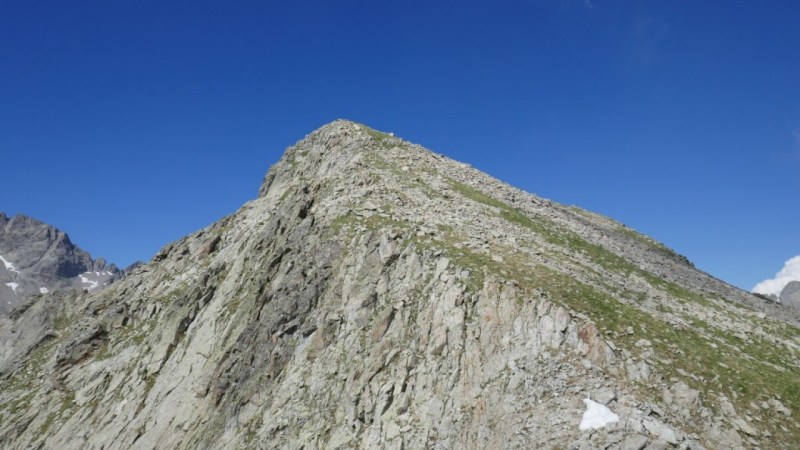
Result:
pixel 43 290
pixel 9 266
pixel 92 284
pixel 13 286
pixel 774 286
pixel 596 415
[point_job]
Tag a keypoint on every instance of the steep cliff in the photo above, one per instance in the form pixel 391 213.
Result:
pixel 378 295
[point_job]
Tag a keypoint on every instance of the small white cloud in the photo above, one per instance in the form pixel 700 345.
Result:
pixel 596 415
pixel 790 272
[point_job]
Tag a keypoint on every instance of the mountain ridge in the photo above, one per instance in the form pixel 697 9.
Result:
pixel 38 259
pixel 376 294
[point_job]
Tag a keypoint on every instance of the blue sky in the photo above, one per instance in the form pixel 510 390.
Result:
pixel 129 124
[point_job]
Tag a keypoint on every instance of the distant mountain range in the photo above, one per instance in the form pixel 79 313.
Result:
pixel 38 259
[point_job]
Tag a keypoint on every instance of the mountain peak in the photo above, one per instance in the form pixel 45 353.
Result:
pixel 327 150
pixel 40 259
pixel 379 295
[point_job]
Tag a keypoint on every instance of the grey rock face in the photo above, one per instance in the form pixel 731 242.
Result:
pixel 38 259
pixel 790 295
pixel 378 295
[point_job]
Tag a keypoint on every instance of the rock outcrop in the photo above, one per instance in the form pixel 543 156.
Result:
pixel 378 295
pixel 38 259
pixel 790 295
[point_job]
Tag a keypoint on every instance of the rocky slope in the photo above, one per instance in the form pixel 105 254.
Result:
pixel 378 295
pixel 37 259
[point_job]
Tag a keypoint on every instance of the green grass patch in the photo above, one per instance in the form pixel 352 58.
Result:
pixel 382 139
pixel 476 195
pixel 558 236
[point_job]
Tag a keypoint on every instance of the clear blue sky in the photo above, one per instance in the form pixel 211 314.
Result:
pixel 131 123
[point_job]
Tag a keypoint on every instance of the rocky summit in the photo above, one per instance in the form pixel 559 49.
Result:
pixel 38 259
pixel 379 295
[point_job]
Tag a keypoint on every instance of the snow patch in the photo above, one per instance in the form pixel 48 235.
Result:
pixel 9 266
pixel 774 286
pixel 92 284
pixel 43 290
pixel 596 415
pixel 13 286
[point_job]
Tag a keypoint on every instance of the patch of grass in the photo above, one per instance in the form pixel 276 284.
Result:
pixel 61 322
pixel 19 404
pixel 68 402
pixel 233 305
pixel 631 234
pixel 104 352
pixel 382 139
pixel 652 243
pixel 550 231
pixel 555 235
pixel 46 424
pixel 476 195
pixel 41 354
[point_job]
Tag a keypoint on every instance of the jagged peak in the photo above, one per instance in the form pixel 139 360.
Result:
pixel 45 260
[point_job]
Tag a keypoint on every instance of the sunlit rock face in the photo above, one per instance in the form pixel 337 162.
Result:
pixel 378 295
